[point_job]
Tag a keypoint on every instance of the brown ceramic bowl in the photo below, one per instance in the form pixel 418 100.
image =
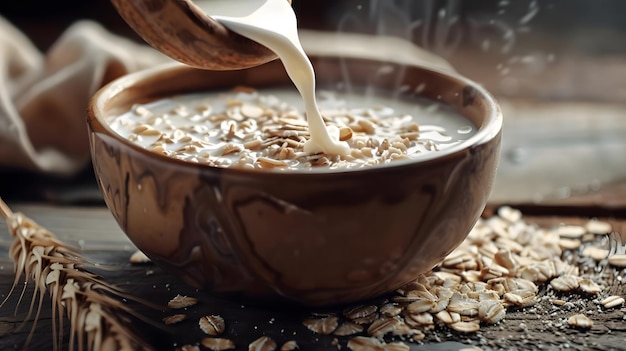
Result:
pixel 316 238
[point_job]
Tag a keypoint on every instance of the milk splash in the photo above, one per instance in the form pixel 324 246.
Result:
pixel 273 23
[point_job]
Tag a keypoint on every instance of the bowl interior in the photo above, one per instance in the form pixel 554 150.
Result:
pixel 360 76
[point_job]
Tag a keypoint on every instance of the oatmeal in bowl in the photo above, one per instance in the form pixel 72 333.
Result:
pixel 208 173
pixel 245 128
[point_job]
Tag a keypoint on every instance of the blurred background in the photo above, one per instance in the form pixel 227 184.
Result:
pixel 485 39
pixel 558 67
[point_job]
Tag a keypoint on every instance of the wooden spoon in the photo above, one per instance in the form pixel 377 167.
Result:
pixel 182 31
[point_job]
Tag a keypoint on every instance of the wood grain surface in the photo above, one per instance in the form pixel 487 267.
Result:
pixel 94 230
pixel 560 162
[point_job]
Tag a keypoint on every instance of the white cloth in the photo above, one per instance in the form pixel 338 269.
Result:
pixel 43 97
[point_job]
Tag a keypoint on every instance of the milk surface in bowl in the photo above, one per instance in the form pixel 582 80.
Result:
pixel 267 129
pixel 316 236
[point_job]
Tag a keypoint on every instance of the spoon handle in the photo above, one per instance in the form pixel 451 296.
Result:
pixel 182 31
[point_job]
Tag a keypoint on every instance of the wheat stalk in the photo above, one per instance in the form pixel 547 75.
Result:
pixel 98 318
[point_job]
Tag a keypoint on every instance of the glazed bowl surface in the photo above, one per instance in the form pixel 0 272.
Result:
pixel 316 238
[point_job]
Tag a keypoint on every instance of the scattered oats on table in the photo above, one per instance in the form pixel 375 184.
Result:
pixel 501 265
pixel 217 344
pixel 598 227
pixel 504 263
pixel 359 311
pixel 598 254
pixel 618 260
pixel 212 325
pixel 613 301
pixel 580 321
pixel 180 301
pixel 264 343
pixel 290 345
pixel 324 325
pixel 348 328
pixel 565 283
pixel 173 319
pixel 383 326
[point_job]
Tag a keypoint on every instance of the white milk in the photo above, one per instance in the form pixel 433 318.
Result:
pixel 197 127
pixel 273 23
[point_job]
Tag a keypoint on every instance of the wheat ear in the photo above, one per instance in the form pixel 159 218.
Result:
pixel 98 318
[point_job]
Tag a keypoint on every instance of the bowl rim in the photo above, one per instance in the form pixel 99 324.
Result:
pixel 490 129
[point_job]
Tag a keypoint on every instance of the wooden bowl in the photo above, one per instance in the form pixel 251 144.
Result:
pixel 317 238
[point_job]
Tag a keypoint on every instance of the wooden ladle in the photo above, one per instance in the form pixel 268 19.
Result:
pixel 182 31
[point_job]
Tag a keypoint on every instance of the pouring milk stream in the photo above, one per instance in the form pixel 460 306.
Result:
pixel 273 24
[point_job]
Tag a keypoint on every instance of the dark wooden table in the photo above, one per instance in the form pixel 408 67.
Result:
pixel 570 169
pixel 94 230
